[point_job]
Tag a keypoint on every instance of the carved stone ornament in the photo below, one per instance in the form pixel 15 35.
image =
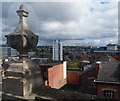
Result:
pixel 22 39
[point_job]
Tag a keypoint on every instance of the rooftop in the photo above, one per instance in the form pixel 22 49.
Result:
pixel 111 44
pixel 51 64
pixel 62 95
pixel 109 70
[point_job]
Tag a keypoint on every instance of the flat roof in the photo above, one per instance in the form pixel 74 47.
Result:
pixel 50 64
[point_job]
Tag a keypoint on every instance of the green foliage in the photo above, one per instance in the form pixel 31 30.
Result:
pixel 72 64
pixel 49 61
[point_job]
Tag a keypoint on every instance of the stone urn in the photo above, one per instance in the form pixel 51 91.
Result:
pixel 22 39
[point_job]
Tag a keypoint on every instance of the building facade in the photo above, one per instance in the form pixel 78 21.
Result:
pixel 108 81
pixel 54 74
pixel 8 52
pixel 57 50
pixel 87 78
pixel 112 47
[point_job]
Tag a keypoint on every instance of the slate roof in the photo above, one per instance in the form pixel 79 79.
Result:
pixel 109 70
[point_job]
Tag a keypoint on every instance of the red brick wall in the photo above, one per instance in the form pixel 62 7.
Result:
pixel 116 57
pixel 99 56
pixel 85 78
pixel 108 86
pixel 73 77
pixel 55 76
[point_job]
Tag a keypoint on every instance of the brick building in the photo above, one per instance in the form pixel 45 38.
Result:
pixel 54 74
pixel 101 79
pixel 82 81
pixel 108 81
pixel 73 76
pixel 87 78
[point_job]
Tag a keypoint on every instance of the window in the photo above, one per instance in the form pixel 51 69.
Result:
pixel 109 93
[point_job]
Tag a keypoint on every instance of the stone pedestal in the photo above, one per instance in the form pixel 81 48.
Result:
pixel 21 79
pixel 23 76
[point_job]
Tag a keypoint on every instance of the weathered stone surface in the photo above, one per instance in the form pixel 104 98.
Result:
pixel 23 76
pixel 13 86
pixel 22 39
pixel 20 80
pixel 50 94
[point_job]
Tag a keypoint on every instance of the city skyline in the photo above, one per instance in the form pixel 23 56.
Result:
pixel 78 23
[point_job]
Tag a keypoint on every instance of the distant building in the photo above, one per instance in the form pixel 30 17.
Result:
pixel 105 52
pixel 7 51
pixel 112 47
pixel 57 50
pixel 40 60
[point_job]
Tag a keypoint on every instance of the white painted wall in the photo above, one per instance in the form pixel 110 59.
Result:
pixel 112 47
pixel 65 69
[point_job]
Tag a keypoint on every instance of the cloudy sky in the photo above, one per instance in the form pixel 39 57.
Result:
pixel 93 22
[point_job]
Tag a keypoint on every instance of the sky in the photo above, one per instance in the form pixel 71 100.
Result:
pixel 88 23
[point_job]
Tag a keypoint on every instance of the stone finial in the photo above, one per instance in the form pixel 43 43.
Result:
pixel 22 13
pixel 22 39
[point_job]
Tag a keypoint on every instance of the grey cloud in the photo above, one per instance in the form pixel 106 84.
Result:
pixel 55 11
pixel 64 21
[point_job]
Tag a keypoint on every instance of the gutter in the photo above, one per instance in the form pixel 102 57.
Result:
pixel 117 83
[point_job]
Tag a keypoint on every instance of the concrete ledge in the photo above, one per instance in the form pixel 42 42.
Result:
pixel 51 94
pixel 45 93
pixel 11 97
